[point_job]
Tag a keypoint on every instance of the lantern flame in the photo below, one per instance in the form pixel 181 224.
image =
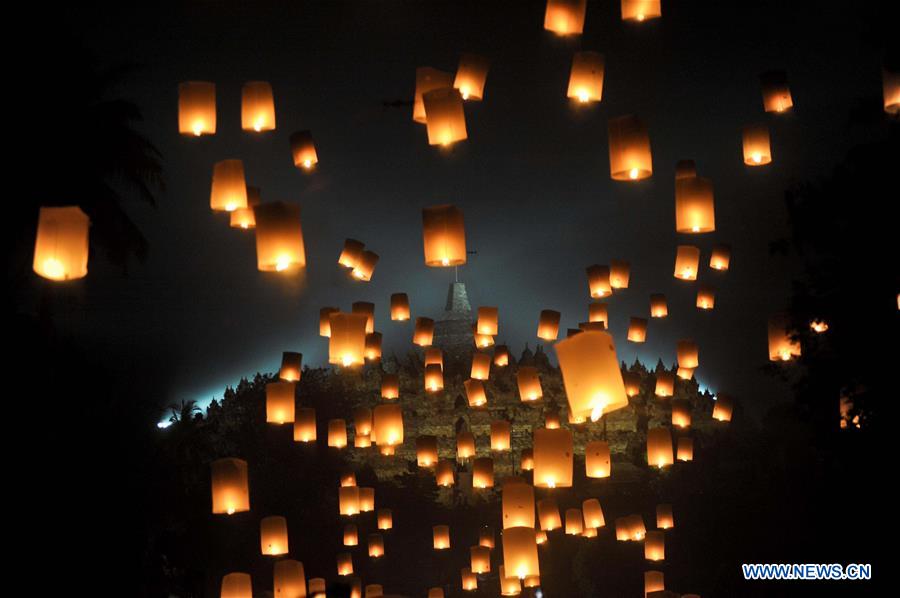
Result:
pixel 231 510
pixel 307 164
pixel 282 263
pixel 633 173
pixel 54 269
pixel 583 97
pixel 756 157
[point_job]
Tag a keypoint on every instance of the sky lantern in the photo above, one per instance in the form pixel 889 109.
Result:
pixel 665 384
pixel 598 312
pixel 273 535
pixel 362 420
pixel 510 585
pixel 483 341
pixel 548 514
pixel 444 236
pixel 230 488
pixel 890 81
pixel 655 546
pixel 348 500
pixel 486 537
pixel 446 120
pixel 344 563
pixel 586 77
pixel 61 244
pixel 720 258
pixel 518 505
pixel 290 366
pixel 619 274
pixel 723 408
pixel 529 383
pixel 574 522
pixel 706 297
pixel 348 478
pixel 533 581
pixel 694 205
pixel 257 107
pixel 664 517
pixel 487 321
pixel 593 513
pixel 424 332
pixel 469 579
pixel 444 474
pixel 757 146
pixel 428 79
pixel 598 281
pixel 365 267
pixel 434 378
pixel 685 373
pixel 366 499
pixel 659 447
pixel 305 424
pixel 501 356
pixel 687 262
pixel 658 306
pixel 374 590
pixel 480 559
pixel 347 344
pixel 481 366
pixel 434 355
pixel 441 537
pixel 337 433
pixel 681 413
pixel 553 457
pixel 471 75
pixel 775 91
pixel 435 592
pixel 684 449
pixel 629 149
pixel 316 586
pixel 367 308
pixel 688 353
pixel 818 326
pixel 654 581
pixel 236 585
pixel 632 382
pixel 781 346
pixel 520 556
pixel 551 419
pixel 243 218
pixel 399 307
pixel 197 108
pixel 303 150
pixel 229 188
pixel 385 518
pixel 279 237
pixel 597 459
pixel 290 579
pixel 565 17
pixel 426 450
pixel 630 528
pixel 591 375
pixel 325 320
pixel 483 473
pixel 637 330
pixel 362 441
pixel 280 402
pixel 475 393
pixel 641 10
pixel 548 325
pixel 373 346
pixel 526 459
pixel 351 253
pixel 500 435
pixel 465 445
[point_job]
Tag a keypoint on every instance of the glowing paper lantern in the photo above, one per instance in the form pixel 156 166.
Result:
pixel 426 450
pixel 481 366
pixel 230 488
pixel 487 321
pixel 197 108
pixel 658 306
pixel 688 353
pixel 637 330
pixel 548 514
pixel 586 77
pixel 374 590
pixel 424 332
pixel 229 189
pixel 257 107
pixel 434 378
pixel 348 479
pixel 574 522
pixel 436 593
pixel 385 519
pixel 553 457
pixel 891 90
pixel 518 505
pixel 325 320
pixel 775 91
pixel 681 413
pixel 664 517
pixel 591 375
pixel 465 445
pixel 243 218
pixel 366 499
pixel 348 500
pixel 685 449
pixel 305 425
pixel 480 559
pixel 723 409
pixel 470 76
pixel 654 581
pixel 486 537
pixel 61 245
pixel 444 236
pixel 337 433
pixel 597 459
pixel 347 344
pixel 273 536
pixel 441 536
pixel 641 10
pixel 469 579
pixel 781 346
pixel 365 267
pixel 632 382
pixel 720 258
pixel 533 581
pixel 598 312
pixel 475 393
pixel 565 17
pixel 520 556
pixel 444 474
pixel 483 473
pixel 529 383
pixel 500 435
pixel 501 356
pixel 593 513
pixel 695 210
pixel 659 447
pixel 236 585
pixel 290 366
pixel 362 441
pixel 362 420
pixel 687 262
pixel 351 253
pixel 280 402
pixel 526 460
pixel 345 563
pixel 304 150
pixel 390 386
pixel 629 149
pixel 445 118
pixel 598 281
pixel 654 546
pixel 316 587
pixel 509 585
pixel 706 297
pixel 757 146
pixel 399 307
pixel 373 346
pixel 665 384
pixel 619 274
pixel 279 237
pixel 551 420
pixel 548 325
pixel 428 79
pixel 290 579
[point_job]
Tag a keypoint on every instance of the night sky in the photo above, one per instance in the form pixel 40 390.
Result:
pixel 532 179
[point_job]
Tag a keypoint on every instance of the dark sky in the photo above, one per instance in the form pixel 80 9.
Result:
pixel 532 179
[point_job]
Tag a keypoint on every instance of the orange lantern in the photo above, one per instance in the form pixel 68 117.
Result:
pixel 444 236
pixel 551 420
pixel 548 514
pixel 444 474
pixel 665 384
pixel 385 519
pixel 424 332
pixel 279 237
pixel 486 537
pixel 619 274
pixel 654 581
pixel 483 341
pixel 290 366
pixel 362 420
pixel 61 245
pixel 480 559
pixel 344 563
pixel 351 253
pixel 659 447
pixel 273 535
pixel 483 473
pixel 688 353
pixel 723 409
pixel 445 118
pixel 685 449
pixel 597 459
pixel 598 312
pixel 481 366
pixel 399 307
pixel 591 375
pixel 434 356
pixel 434 378
pixel 236 585
pixel 351 536
pixel 529 383
pixel 257 107
pixel 518 505
pixel 533 581
pixel 373 346
pixel 305 425
pixel 436 593
pixel 706 297
pixel 637 330
pixel 465 445
pixel 304 150
pixel 598 281
pixel 243 218
pixel 553 457
pixel 348 500
pixel 469 580
pixel 891 90
pixel 593 513
pixel 775 91
pixel 197 108
pixel 471 75
pixel 374 590
pixel 526 460
pixel 290 579
pixel 376 550
pixel 632 382
pixel 695 210
pixel 390 386
pixel 280 402
pixel 641 10
pixel 487 321
pixel 548 325
pixel 586 77
pixel 428 79
pixel 520 555
pixel 565 17
pixel 230 488
pixel 501 356
pixel 229 189
pixel 720 258
pixel 366 499
pixel 509 585
pixel 781 346
pixel 664 517
pixel 475 393
pixel 347 344
pixel 426 450
pixel 574 522
pixel 337 433
pixel 348 479
pixel 500 435
pixel 658 306
pixel 441 535
pixel 365 267
pixel 325 320
pixel 316 587
pixel 654 546
pixel 687 262
pixel 629 149
pixel 681 413
pixel 757 145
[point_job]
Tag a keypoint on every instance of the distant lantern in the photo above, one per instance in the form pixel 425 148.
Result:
pixel 890 81
pixel 632 382
pixel 483 341
pixel 598 281
pixel 533 581
pixel 348 500
pixel 619 274
pixel 426 450
pixel 695 210
pixel 480 559
pixel 510 585
pixel 444 474
pixel 236 585
pixel 518 505
pixel 529 383
pixel 469 579
pixel 597 459
pixel 387 424
pixel 586 77
pixel 553 457
pixel 362 420
pixel 337 433
pixel 257 107
pixel 197 108
pixel 548 325
pixel 654 581
pixel 399 307
pixel 481 366
pixel 487 321
pixel 305 424
pixel 565 17
pixel 637 330
pixel 723 409
pixel 687 262
pixel 273 535
pixel 486 537
pixel 316 586
pixel 593 513
pixel 574 522
pixel 641 10
pixel 445 118
pixel 483 473
pixel 304 150
pixel 434 378
pixel 365 267
pixel 526 459
pixel 520 556
pixel 757 146
pixel 659 447
pixel 345 563
pixel 243 218
pixel 818 326
pixel 685 169
pixel 655 546
pixel 373 346
pixel 348 479
pixel 428 79
pixel 775 91
pixel 229 188
pixel 500 435
pixel 591 375
pixel 424 332
pixel 548 514
pixel 465 445
pixel 441 537
pixel 290 366
pixel 436 593
pixel 685 373
pixel 720 258
pixel 385 518
pixel 664 517
pixel 471 75
pixel 475 393
pixel 325 320
pixel 501 356
pixel 551 420
pixel 366 499
pixel 290 579
pixel 376 546
pixel 347 344
pixel 681 413
pixel 598 312
pixel 626 530
pixel 781 346
pixel 658 306
pixel 444 236
pixel 665 384
pixel 230 488
pixel 280 398
pixel 629 149
pixel 688 353
pixel 351 253
pixel 61 245
pixel 279 237
pixel 706 297
pixel 684 449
